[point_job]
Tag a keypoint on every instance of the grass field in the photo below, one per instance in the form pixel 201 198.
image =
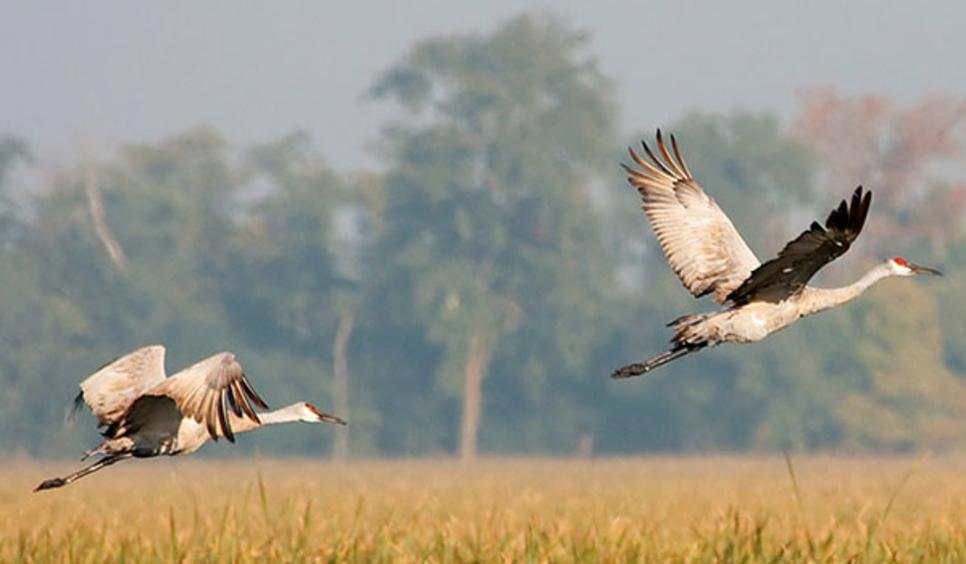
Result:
pixel 649 509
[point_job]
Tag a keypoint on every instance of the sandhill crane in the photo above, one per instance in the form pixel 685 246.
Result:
pixel 709 256
pixel 144 414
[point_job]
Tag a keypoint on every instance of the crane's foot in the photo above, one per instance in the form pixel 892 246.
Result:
pixel 635 369
pixel 50 484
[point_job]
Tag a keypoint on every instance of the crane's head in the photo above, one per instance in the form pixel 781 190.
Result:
pixel 309 414
pixel 901 267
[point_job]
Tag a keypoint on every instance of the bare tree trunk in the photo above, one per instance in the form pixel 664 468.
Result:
pixel 477 362
pixel 96 209
pixel 340 381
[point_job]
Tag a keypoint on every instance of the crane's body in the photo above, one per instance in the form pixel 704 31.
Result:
pixel 756 320
pixel 709 256
pixel 173 434
pixel 144 414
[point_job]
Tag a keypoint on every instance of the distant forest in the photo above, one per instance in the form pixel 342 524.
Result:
pixel 472 291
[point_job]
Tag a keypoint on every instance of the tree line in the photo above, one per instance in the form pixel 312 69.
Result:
pixel 472 290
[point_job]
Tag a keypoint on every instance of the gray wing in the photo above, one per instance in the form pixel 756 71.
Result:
pixel 110 391
pixel 206 391
pixel 701 244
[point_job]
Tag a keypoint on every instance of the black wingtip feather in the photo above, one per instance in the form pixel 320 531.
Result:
pixel 858 211
pixel 650 153
pixel 212 431
pixel 240 398
pixel 252 395
pixel 866 204
pixel 223 417
pixel 658 162
pixel 850 215
pixel 802 257
pixel 236 400
pixel 855 209
pixel 838 218
pixel 677 154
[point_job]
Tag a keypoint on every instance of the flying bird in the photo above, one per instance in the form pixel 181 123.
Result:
pixel 705 250
pixel 143 414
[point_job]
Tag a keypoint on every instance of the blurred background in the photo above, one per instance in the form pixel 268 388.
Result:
pixel 412 215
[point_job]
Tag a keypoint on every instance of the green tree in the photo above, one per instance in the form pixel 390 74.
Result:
pixel 14 151
pixel 490 230
pixel 168 205
pixel 292 276
pixel 18 301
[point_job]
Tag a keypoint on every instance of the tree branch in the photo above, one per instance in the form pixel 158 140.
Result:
pixel 98 218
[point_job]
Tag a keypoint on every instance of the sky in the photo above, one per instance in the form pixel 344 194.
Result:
pixel 96 74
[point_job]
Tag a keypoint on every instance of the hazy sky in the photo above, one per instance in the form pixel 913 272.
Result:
pixel 99 73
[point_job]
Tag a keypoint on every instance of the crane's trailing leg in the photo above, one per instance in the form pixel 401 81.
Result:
pixel 639 368
pixel 689 337
pixel 102 463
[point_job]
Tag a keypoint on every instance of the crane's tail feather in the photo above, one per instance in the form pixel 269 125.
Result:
pixel 639 368
pixel 75 407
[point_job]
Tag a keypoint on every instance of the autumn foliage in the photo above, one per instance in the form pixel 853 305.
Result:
pixel 910 156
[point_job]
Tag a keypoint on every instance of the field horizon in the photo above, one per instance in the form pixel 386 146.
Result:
pixel 658 508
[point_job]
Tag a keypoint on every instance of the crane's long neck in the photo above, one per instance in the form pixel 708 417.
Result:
pixel 287 414
pixel 824 298
pixel 192 434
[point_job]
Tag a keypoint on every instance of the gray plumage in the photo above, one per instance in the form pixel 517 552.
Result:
pixel 143 413
pixel 701 244
pixel 705 250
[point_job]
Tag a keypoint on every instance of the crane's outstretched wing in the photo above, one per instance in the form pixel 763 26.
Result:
pixel 801 258
pixel 207 390
pixel 701 244
pixel 110 391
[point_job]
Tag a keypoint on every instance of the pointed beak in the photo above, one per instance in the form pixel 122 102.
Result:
pixel 924 270
pixel 332 419
pixel 323 416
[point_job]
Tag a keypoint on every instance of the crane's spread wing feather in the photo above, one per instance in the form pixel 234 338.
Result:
pixel 701 244
pixel 801 258
pixel 206 391
pixel 111 390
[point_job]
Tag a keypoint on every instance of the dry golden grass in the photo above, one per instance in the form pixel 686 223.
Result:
pixel 650 509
